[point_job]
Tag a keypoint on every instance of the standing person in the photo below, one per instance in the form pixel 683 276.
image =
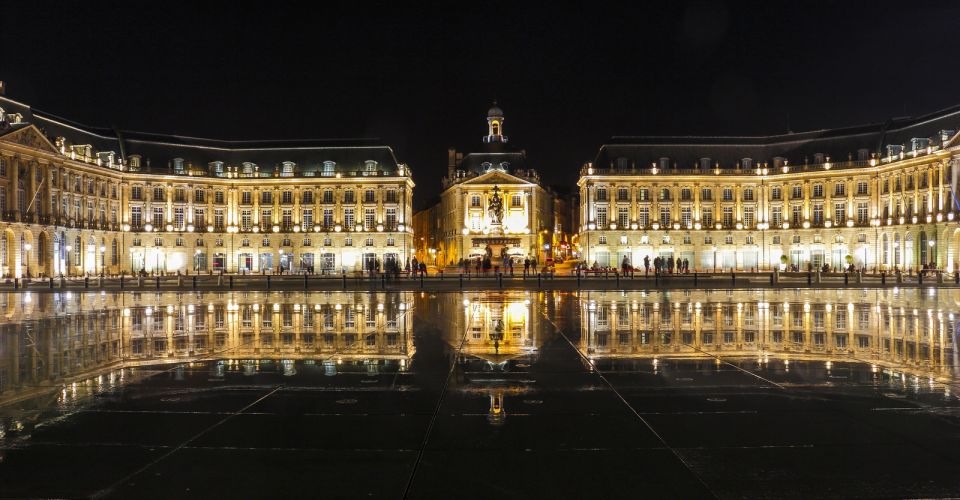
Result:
pixel 526 266
pixel 686 266
pixel 646 264
pixel 416 266
pixel 625 265
pixel 656 265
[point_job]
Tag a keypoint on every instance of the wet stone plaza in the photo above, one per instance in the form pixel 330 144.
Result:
pixel 508 394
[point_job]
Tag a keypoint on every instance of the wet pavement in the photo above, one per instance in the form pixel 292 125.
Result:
pixel 515 394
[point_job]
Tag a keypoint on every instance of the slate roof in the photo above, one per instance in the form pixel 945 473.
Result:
pixel 495 153
pixel 160 149
pixel 839 144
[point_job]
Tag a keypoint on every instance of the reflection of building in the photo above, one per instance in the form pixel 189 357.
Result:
pixel 879 194
pixel 494 327
pixel 52 337
pixel 77 199
pixel 492 203
pixel 897 331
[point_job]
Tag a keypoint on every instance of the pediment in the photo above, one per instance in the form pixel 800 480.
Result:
pixel 499 178
pixel 29 136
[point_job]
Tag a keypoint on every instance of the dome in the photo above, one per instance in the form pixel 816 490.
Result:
pixel 495 111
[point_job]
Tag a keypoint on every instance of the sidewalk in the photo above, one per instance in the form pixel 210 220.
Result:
pixel 489 281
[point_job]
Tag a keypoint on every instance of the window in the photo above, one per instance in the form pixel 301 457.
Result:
pixel 818 213
pixel 369 219
pixel 516 200
pixel 839 189
pixel 327 218
pixel 665 194
pixel 686 194
pixel 623 194
pixel 348 218
pixel 706 194
pixel 475 200
pixel 158 217
pixel 603 240
pixel 748 216
pixel 369 196
pixel 643 194
pixel 266 197
pixel 862 188
pixel 797 192
pixel 644 216
pixel 686 216
pixel 391 195
pixel 775 193
pixel 328 196
pixel 708 240
pixel 839 213
pixel 218 197
pixel 777 216
pixel 158 194
pixel 601 194
pixel 748 194
pixel 664 216
pixel 797 215
pixel 706 214
pixel 266 217
pixel 306 218
pixel 623 217
pixel 245 219
pixel 601 217
pixel 391 218
pixel 136 217
pixel 348 196
pixel 776 240
pixel 136 193
pixel 286 197
pixel 727 194
pixel 727 216
pixel 246 197
pixel 199 196
pixel 307 197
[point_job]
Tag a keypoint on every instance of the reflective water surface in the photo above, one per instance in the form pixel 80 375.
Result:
pixel 517 394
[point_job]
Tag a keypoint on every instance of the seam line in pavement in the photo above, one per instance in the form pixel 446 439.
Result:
pixel 633 410
pixel 109 489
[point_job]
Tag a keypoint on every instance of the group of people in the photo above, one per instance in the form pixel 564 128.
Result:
pixel 663 264
pixel 417 268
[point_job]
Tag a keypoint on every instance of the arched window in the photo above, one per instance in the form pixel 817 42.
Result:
pixel 495 128
pixel 886 250
pixel 896 250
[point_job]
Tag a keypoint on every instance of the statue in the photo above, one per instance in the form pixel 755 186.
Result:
pixel 495 209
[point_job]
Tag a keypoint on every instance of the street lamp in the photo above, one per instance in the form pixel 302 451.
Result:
pixel 28 247
pixel 103 257
pixel 714 248
pixel 930 243
pixel 69 248
pixel 196 261
pixel 280 264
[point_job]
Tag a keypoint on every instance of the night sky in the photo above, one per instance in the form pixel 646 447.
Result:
pixel 421 78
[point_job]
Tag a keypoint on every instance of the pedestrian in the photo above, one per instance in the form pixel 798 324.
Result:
pixel 646 264
pixel 526 266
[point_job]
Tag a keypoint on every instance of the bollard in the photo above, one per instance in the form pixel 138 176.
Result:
pixel 421 280
pixel 121 282
pixel 100 281
pixel 268 282
pixel 939 276
pixel 538 280
pixel 86 282
pixel 51 282
pixel 139 281
pixel 617 273
pixel 158 282
pixel 656 278
pixel 231 282
pixel 194 281
pixel 500 279
pixel 846 278
pixel 179 281
pixel 809 277
pixel 306 281
pixel 16 283
pixel 383 281
pixel 578 279
pixel 344 275
pixel 694 278
pixel 461 281
pixel 956 277
pixel 883 278
pixel 920 278
pixel 733 278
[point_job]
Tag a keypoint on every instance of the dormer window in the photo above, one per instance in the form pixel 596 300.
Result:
pixel 505 166
pixel 747 163
pixel 486 166
pixel 622 163
pixel 818 158
pixel 248 169
pixel 134 163
pixel 329 169
pixel 664 163
pixel 705 163
pixel 287 169
pixel 216 167
pixel 178 165
pixel 369 167
pixel 106 158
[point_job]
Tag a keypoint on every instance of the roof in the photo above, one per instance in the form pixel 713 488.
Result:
pixel 797 148
pixel 159 150
pixel 496 154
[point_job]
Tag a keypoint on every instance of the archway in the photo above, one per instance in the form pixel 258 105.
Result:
pixel 43 254
pixel 8 254
pixel 28 260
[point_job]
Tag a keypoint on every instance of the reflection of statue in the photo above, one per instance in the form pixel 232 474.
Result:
pixel 495 209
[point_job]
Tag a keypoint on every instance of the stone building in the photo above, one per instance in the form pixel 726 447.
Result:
pixel 80 200
pixel 492 204
pixel 877 196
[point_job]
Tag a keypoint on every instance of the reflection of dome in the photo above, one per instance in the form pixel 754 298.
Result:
pixel 495 111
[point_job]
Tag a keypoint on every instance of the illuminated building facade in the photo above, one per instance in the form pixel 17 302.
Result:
pixel 878 196
pixel 492 204
pixel 79 200
pixel 48 337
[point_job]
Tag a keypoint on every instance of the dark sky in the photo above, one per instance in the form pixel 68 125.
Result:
pixel 421 77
